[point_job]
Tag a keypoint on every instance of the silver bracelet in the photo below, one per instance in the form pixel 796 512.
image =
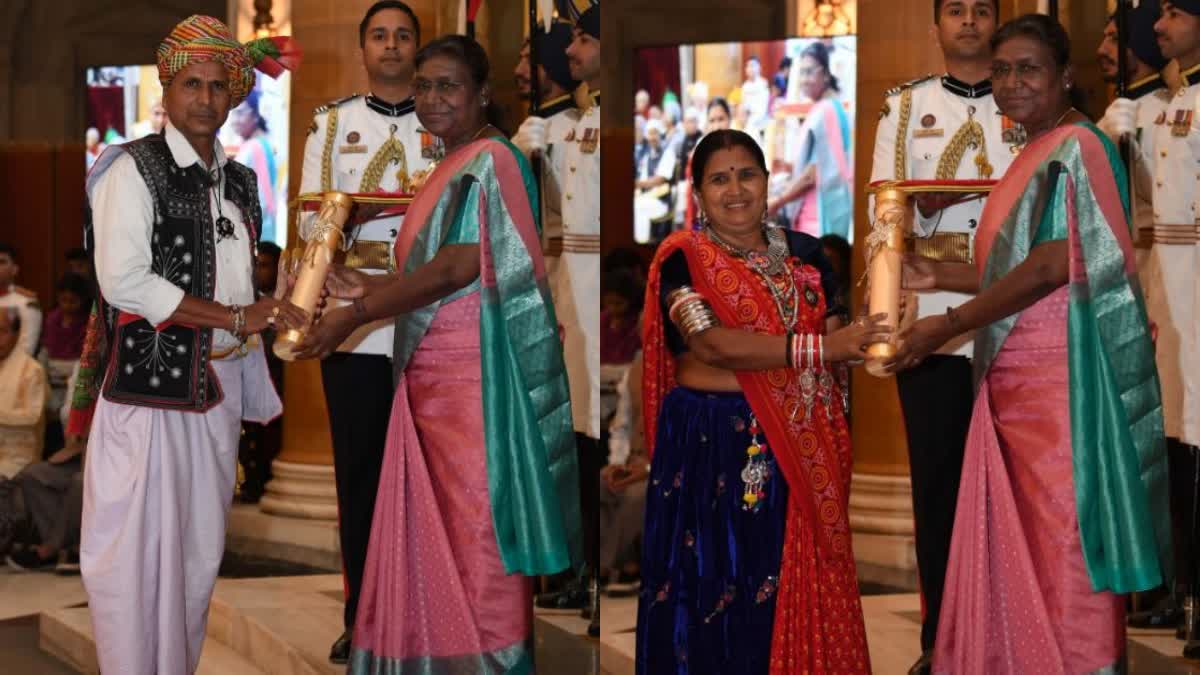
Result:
pixel 239 322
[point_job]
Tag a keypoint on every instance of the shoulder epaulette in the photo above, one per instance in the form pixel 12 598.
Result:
pixel 556 105
pixel 333 104
pixel 908 85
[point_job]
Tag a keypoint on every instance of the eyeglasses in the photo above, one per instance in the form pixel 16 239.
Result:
pixel 442 87
pixel 1024 71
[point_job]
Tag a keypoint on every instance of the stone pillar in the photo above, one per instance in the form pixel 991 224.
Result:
pixel 303 485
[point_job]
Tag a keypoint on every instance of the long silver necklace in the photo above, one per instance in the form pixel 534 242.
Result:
pixel 767 265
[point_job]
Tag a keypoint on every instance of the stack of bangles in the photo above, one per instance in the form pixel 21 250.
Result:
pixel 690 312
pixel 805 350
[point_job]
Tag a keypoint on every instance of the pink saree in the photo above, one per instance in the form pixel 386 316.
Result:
pixel 1017 598
pixel 1059 505
pixel 477 488
pixel 440 572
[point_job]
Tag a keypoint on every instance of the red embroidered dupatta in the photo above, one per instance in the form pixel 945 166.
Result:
pixel 818 616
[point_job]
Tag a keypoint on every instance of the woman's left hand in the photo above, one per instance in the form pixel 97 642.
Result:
pixel 919 341
pixel 324 336
pixel 346 283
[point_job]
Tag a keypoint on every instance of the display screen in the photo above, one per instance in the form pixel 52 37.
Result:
pixel 795 97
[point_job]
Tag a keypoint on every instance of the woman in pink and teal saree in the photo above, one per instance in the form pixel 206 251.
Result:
pixel 1062 507
pixel 478 490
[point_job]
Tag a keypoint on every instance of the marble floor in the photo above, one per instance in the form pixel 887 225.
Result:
pixel 278 625
pixel 893 636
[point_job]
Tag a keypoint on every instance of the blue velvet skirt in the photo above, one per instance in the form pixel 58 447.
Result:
pixel 709 568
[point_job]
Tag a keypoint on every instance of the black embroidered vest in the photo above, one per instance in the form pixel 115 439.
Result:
pixel 168 366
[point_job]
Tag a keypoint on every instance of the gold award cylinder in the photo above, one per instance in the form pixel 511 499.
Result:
pixel 893 220
pixel 323 242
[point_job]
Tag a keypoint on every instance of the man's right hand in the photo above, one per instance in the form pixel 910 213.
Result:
pixel 1120 118
pixel 531 137
pixel 262 314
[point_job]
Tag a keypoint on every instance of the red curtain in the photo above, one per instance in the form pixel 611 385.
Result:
pixel 106 109
pixel 657 71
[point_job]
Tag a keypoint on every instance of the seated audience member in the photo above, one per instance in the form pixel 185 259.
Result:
pixel 623 488
pixel 22 398
pixel 62 334
pixel 23 299
pixel 52 493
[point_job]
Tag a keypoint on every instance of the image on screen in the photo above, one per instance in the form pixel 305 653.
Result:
pixel 796 97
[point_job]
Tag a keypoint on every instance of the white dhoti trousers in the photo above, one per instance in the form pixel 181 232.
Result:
pixel 157 489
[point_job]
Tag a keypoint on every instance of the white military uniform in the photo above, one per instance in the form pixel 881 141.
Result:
pixel 1168 273
pixel 557 126
pixel 1152 98
pixel 943 129
pixel 31 316
pixel 364 144
pixel 576 138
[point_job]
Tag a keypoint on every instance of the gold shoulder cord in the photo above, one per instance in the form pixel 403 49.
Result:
pixel 970 135
pixel 391 152
pixel 900 171
pixel 327 153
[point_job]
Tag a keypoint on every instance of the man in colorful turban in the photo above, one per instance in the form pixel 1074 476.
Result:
pixel 173 356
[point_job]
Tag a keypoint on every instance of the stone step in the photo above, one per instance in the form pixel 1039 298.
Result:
pixel 67 634
pixel 283 625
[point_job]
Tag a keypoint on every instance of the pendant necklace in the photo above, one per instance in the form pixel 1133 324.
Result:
pixel 224 225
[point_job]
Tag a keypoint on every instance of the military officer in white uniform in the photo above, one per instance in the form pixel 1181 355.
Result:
pixel 1169 278
pixel 576 135
pixel 1136 117
pixel 366 143
pixel 556 88
pixel 943 128
pixel 1169 149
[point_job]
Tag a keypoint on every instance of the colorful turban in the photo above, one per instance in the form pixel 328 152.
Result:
pixel 200 38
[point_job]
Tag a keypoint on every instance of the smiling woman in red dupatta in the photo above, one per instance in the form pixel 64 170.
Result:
pixel 1062 507
pixel 747 562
